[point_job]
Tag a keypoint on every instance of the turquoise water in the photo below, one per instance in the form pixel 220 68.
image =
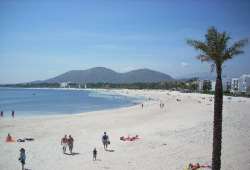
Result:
pixel 39 102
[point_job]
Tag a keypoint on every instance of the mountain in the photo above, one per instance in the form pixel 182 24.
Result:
pixel 101 74
pixel 144 75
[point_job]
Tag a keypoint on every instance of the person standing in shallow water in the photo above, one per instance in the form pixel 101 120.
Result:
pixel 1 113
pixel 22 157
pixel 13 113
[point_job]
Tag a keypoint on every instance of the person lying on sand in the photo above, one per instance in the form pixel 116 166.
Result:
pixel 20 140
pixel 197 166
pixel 9 138
pixel 193 166
pixel 25 139
pixel 133 138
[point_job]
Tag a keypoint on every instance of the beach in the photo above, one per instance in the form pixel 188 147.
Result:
pixel 169 138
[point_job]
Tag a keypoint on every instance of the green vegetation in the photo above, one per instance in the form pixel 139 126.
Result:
pixel 33 85
pixel 189 84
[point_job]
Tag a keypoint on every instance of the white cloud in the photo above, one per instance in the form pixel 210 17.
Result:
pixel 184 64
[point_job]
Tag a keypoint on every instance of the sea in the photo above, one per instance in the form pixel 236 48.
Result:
pixel 46 102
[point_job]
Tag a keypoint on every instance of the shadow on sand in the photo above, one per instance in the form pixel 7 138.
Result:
pixel 110 150
pixel 72 154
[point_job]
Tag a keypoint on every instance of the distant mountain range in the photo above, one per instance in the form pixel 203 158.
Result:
pixel 105 75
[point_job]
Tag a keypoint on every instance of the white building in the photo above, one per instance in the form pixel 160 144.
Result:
pixel 244 83
pixel 213 85
pixel 203 84
pixel 226 83
pixel 235 85
pixel 200 85
pixel 64 84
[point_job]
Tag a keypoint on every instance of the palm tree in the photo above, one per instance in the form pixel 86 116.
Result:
pixel 216 51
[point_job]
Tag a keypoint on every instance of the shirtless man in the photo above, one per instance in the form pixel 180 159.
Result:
pixel 105 140
pixel 70 143
pixel 64 143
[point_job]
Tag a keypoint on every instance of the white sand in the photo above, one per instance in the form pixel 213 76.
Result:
pixel 170 138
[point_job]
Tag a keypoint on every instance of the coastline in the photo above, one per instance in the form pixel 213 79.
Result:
pixel 170 137
pixel 96 93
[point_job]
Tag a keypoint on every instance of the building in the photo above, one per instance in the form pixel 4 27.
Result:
pixel 235 85
pixel 244 83
pixel 227 86
pixel 213 85
pixel 64 84
pixel 204 85
pixel 200 85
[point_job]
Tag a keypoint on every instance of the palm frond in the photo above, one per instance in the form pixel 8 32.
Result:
pixel 235 49
pixel 215 47
pixel 198 45
pixel 217 43
pixel 223 41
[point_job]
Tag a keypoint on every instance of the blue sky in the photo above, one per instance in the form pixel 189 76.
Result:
pixel 41 39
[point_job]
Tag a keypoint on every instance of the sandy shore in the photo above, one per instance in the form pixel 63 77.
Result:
pixel 170 138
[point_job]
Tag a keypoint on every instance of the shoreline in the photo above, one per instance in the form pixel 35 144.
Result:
pixel 178 134
pixel 134 100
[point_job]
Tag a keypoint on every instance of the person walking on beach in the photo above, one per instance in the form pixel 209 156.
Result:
pixel 64 143
pixel 161 105
pixel 70 143
pixel 94 154
pixel 142 105
pixel 1 113
pixel 13 113
pixel 105 140
pixel 22 157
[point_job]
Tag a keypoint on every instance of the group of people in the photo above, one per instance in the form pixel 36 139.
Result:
pixel 67 142
pixel 105 142
pixel 12 113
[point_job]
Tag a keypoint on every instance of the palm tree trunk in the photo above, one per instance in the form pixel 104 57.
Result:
pixel 217 129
